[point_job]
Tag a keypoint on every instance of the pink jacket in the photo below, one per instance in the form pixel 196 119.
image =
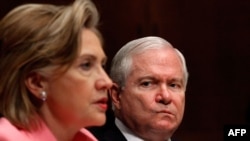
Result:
pixel 9 132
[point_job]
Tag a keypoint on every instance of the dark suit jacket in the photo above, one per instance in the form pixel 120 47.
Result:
pixel 111 133
pixel 108 133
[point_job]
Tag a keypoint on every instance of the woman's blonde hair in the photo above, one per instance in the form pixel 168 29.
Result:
pixel 33 37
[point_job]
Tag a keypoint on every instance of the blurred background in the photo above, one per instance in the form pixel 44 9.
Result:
pixel 213 35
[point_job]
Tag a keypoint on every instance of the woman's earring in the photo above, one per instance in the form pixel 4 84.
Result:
pixel 43 95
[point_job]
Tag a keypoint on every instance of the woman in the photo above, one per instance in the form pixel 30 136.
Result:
pixel 52 81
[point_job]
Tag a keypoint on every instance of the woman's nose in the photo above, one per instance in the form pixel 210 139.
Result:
pixel 104 82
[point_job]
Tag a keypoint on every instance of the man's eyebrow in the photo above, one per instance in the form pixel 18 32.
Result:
pixel 147 77
pixel 181 80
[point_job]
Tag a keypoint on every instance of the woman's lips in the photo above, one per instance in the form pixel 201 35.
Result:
pixel 102 103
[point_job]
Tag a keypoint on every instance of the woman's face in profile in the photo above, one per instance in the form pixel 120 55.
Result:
pixel 79 96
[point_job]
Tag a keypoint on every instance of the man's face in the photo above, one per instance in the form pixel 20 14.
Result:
pixel 153 98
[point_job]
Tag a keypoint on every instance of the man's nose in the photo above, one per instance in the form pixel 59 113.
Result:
pixel 164 96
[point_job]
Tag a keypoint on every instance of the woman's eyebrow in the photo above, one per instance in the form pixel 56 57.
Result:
pixel 83 57
pixel 87 55
pixel 92 57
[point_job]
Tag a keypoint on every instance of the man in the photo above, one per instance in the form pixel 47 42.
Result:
pixel 148 95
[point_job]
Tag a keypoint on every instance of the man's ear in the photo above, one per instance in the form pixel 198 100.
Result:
pixel 115 95
pixel 35 83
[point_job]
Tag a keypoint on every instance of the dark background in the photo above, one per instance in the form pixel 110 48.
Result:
pixel 214 36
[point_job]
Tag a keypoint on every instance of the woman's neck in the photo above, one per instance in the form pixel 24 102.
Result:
pixel 62 130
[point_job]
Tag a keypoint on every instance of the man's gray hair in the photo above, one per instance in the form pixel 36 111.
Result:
pixel 122 61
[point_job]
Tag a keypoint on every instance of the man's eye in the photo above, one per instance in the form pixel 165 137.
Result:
pixel 146 84
pixel 86 65
pixel 174 85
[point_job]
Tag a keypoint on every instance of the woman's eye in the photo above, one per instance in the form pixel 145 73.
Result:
pixel 86 65
pixel 104 66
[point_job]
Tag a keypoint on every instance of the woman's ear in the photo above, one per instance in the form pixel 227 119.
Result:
pixel 115 95
pixel 35 83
